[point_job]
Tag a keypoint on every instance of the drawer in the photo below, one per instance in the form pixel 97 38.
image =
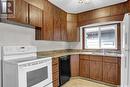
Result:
pixel 55 61
pixel 55 68
pixel 96 58
pixel 55 76
pixel 56 83
pixel 111 59
pixel 84 57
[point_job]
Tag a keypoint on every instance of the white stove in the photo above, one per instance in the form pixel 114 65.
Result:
pixel 22 67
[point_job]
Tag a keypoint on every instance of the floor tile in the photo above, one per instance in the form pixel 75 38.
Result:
pixel 83 83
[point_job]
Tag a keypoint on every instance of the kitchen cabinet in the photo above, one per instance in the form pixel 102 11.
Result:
pixel 96 67
pixel 63 17
pixel 36 3
pixel 57 23
pixel 111 70
pixel 84 66
pixel 48 30
pixel 35 16
pixel 54 23
pixel 74 61
pixel 128 6
pixel 21 12
pixel 116 11
pixel 72 29
pixel 55 72
pixel 26 14
pixel 105 14
pixel 100 68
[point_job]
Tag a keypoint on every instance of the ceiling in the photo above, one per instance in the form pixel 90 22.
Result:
pixel 72 6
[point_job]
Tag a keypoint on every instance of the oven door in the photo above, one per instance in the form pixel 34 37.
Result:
pixel 38 75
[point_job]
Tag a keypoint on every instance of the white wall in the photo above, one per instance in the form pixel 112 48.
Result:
pixel 17 35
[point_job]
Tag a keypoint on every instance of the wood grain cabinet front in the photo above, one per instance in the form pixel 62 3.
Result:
pixel 72 28
pixel 26 13
pixel 55 72
pixel 111 70
pixel 48 23
pixel 35 16
pixel 74 61
pixel 21 12
pixel 84 66
pixel 96 67
pixel 57 23
pixel 101 68
pixel 63 17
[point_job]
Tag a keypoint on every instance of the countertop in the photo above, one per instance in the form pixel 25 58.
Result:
pixel 60 53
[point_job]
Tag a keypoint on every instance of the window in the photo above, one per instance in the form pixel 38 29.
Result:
pixel 92 37
pixel 101 37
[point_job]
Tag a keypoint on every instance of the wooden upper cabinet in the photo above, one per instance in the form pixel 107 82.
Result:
pixel 128 6
pixel 27 14
pixel 48 21
pixel 72 28
pixel 117 9
pixel 21 12
pixel 57 23
pixel 63 17
pixel 36 3
pixel 35 16
pixel 103 12
pixel 60 24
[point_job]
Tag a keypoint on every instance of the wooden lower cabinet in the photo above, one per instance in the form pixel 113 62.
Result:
pixel 55 72
pixel 96 67
pixel 96 70
pixel 111 71
pixel 100 68
pixel 84 66
pixel 56 83
pixel 74 65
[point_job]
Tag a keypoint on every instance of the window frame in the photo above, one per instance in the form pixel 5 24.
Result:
pixel 99 32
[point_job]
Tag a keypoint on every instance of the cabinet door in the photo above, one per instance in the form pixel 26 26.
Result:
pixel 74 65
pixel 35 16
pixel 21 12
pixel 110 73
pixel 63 17
pixel 116 11
pixel 72 29
pixel 36 3
pixel 85 68
pixel 111 70
pixel 48 21
pixel 96 70
pixel 57 23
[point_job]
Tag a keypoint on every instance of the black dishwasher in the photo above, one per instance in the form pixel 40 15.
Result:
pixel 64 67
